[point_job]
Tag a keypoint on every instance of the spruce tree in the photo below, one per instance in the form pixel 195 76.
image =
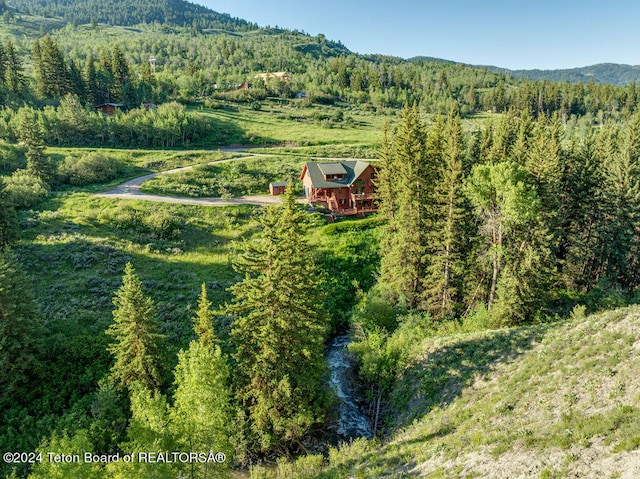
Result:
pixel 91 81
pixel 9 227
pixel 203 321
pixel 32 136
pixel 278 330
pixel 403 243
pixel 443 278
pixel 52 79
pixel 137 346
pixel 21 333
pixel 14 74
pixel 620 200
pixel 583 217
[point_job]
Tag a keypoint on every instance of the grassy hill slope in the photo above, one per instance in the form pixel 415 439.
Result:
pixel 548 401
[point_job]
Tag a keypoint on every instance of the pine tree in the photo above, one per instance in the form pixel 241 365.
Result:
pixel 119 71
pixel 203 321
pixel 403 244
pixel 4 62
pixel 14 74
pixel 620 200
pixel 385 179
pixel 91 81
pixel 52 79
pixel 278 330
pixel 21 333
pixel 583 217
pixel 442 281
pixel 9 227
pixel 137 346
pixel 32 136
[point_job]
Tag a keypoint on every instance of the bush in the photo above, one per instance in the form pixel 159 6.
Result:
pixel 25 190
pixel 373 311
pixel 159 223
pixel 352 225
pixel 321 98
pixel 88 169
pixel 162 224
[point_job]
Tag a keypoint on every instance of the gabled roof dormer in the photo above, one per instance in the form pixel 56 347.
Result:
pixel 332 171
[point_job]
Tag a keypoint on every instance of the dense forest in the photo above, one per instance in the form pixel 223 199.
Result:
pixel 503 202
pixel 164 12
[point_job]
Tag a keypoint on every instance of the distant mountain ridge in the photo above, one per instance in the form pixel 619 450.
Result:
pixel 132 12
pixel 608 73
pixel 611 73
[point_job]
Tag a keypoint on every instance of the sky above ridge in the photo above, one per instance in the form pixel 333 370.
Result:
pixel 544 34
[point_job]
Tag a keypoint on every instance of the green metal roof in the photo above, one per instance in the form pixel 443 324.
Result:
pixel 352 169
pixel 278 183
pixel 332 168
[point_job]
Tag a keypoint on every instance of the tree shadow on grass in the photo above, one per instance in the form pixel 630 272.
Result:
pixel 443 373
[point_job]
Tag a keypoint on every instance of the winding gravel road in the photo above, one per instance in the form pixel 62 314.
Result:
pixel 131 190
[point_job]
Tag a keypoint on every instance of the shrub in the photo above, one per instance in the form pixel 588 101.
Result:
pixel 26 190
pixel 321 98
pixel 159 223
pixel 162 224
pixel 357 225
pixel 90 168
pixel 374 311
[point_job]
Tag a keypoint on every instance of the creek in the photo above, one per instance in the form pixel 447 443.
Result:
pixel 352 423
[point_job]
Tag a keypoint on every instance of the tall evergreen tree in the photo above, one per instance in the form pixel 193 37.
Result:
pixel 91 80
pixel 621 200
pixel 278 330
pixel 446 233
pixel 32 136
pixel 9 227
pixel 52 79
pixel 14 74
pixel 119 71
pixel 21 333
pixel 403 244
pixel 137 346
pixel 203 321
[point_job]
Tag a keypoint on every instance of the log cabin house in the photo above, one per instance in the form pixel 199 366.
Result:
pixel 344 188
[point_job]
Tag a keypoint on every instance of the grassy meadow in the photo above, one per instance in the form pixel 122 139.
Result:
pixel 235 178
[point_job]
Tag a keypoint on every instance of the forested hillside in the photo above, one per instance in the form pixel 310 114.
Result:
pixel 164 12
